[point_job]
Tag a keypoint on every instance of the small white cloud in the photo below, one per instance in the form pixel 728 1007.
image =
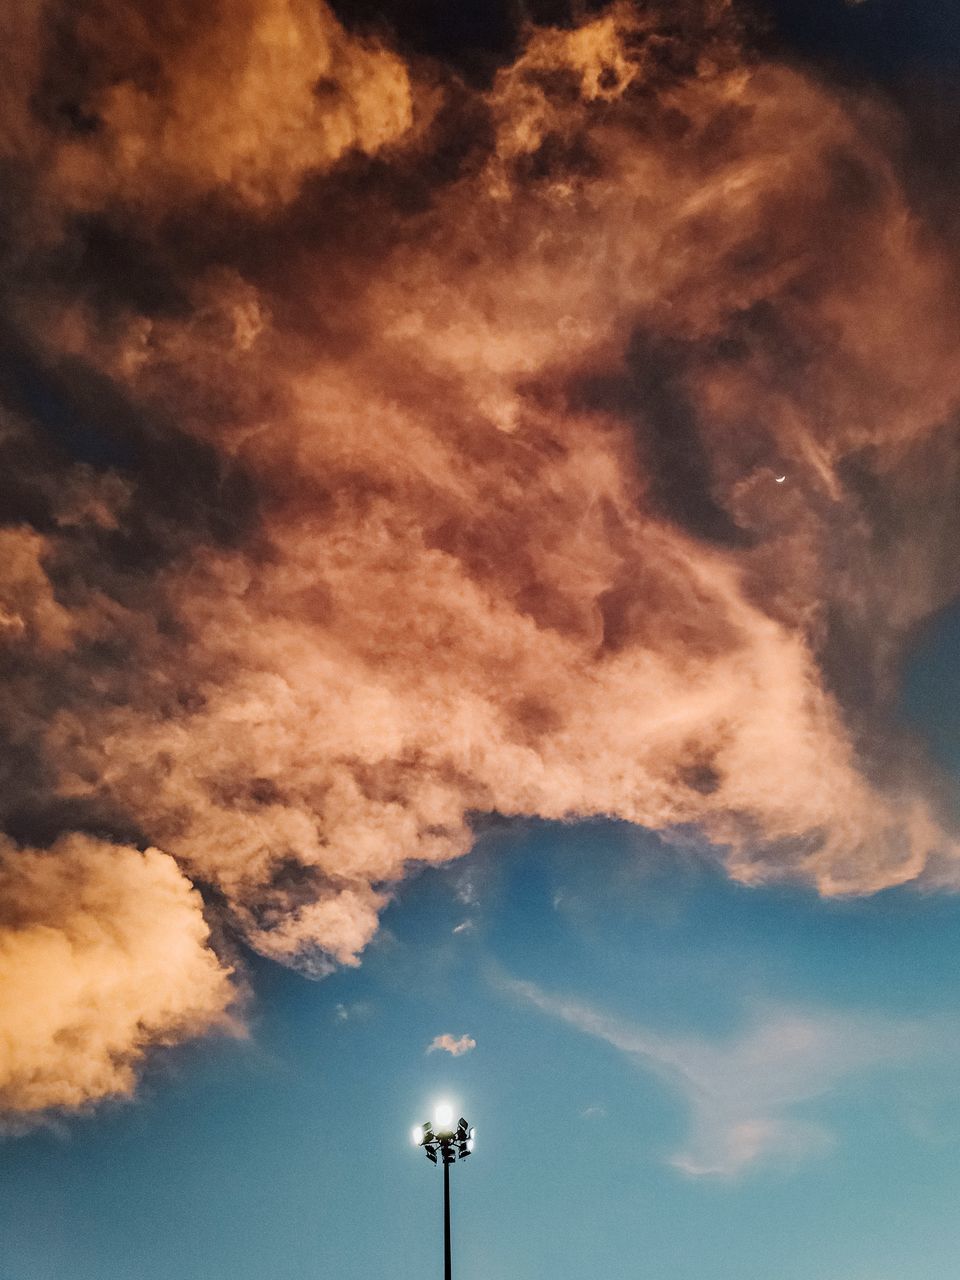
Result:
pixel 350 1012
pixel 466 891
pixel 465 926
pixel 743 1093
pixel 449 1044
pixel 596 1112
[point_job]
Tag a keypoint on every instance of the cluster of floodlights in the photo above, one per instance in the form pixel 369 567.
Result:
pixel 440 1140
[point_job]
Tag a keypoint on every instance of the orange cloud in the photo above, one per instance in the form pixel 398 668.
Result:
pixel 103 953
pixel 421 457
pixel 245 98
pixel 456 1046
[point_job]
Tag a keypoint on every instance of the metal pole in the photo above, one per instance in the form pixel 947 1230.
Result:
pixel 446 1220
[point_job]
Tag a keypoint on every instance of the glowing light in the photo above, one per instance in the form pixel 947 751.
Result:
pixel 416 1135
pixel 779 479
pixel 442 1116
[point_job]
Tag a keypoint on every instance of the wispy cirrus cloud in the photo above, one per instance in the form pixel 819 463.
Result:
pixel 351 1012
pixel 451 1044
pixel 745 1094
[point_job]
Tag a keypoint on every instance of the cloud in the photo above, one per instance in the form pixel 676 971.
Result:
pixel 258 95
pixel 466 891
pixel 357 1009
pixel 385 452
pixel 104 953
pixel 747 1095
pixel 449 1044
pixel 465 926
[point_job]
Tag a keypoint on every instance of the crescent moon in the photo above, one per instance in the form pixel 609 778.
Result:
pixel 779 479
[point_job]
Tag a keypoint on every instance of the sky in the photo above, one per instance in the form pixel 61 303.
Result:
pixel 479 617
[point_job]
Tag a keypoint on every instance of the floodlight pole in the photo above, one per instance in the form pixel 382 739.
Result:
pixel 442 1144
pixel 446 1220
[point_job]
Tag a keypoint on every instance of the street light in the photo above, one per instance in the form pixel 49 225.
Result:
pixel 443 1143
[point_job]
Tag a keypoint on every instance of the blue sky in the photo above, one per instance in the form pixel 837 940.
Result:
pixel 599 971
